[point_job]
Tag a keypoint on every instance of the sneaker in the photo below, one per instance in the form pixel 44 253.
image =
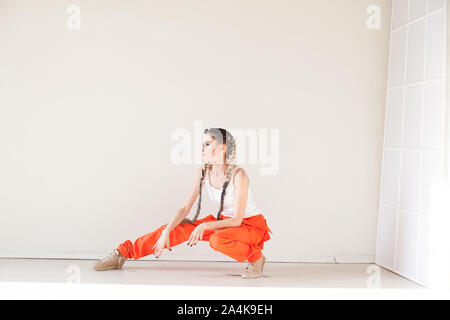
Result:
pixel 114 260
pixel 254 269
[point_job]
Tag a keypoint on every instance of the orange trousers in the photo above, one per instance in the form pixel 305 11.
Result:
pixel 242 243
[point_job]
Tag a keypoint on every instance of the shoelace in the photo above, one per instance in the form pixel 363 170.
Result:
pixel 112 257
pixel 250 267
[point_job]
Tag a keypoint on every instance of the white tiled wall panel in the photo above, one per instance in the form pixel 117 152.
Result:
pixel 432 174
pixel 423 249
pixel 391 173
pixel 434 116
pixel 406 250
pixel 412 121
pixel 409 181
pixel 417 9
pixel 435 4
pixel 413 154
pixel 415 70
pixel 387 236
pixel 397 59
pixel 399 13
pixel 435 50
pixel 394 114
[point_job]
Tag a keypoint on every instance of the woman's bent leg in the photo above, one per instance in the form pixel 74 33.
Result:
pixel 240 243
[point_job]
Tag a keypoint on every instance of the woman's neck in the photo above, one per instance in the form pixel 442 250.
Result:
pixel 219 169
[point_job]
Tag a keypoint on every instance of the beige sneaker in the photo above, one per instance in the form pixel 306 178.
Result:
pixel 114 260
pixel 254 269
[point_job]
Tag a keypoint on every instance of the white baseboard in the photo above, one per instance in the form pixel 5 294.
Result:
pixel 355 259
pixel 186 256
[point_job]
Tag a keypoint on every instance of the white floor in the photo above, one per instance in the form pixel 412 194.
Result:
pixel 301 275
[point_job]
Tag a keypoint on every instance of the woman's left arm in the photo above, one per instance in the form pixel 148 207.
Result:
pixel 241 193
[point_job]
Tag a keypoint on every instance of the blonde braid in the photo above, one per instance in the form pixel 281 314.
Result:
pixel 231 159
pixel 186 220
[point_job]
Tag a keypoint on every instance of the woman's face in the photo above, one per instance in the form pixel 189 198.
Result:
pixel 211 151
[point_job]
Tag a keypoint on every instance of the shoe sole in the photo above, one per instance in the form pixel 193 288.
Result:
pixel 105 269
pixel 111 267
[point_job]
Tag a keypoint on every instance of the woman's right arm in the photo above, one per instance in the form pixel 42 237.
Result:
pixel 185 208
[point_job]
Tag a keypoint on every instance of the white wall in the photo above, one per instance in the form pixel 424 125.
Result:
pixel 413 153
pixel 86 118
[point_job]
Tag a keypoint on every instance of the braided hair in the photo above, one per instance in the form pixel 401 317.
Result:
pixel 225 137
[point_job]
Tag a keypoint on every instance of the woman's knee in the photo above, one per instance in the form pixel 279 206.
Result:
pixel 213 240
pixel 217 239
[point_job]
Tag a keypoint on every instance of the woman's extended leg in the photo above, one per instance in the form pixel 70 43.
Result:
pixel 143 246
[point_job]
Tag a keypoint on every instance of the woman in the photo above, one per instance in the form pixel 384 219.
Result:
pixel 239 230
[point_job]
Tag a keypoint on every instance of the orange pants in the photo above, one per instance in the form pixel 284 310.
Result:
pixel 241 243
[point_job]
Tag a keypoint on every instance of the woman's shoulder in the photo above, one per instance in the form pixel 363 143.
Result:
pixel 240 176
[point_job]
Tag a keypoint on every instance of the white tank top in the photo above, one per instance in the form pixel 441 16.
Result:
pixel 229 200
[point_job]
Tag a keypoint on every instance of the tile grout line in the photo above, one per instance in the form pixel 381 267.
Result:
pixel 427 14
pixel 417 83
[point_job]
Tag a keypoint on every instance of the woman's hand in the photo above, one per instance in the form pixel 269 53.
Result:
pixel 197 234
pixel 161 243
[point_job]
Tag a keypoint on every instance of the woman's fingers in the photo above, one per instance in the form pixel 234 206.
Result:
pixel 196 239
pixel 198 236
pixel 168 243
pixel 157 251
pixel 159 246
pixel 190 239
